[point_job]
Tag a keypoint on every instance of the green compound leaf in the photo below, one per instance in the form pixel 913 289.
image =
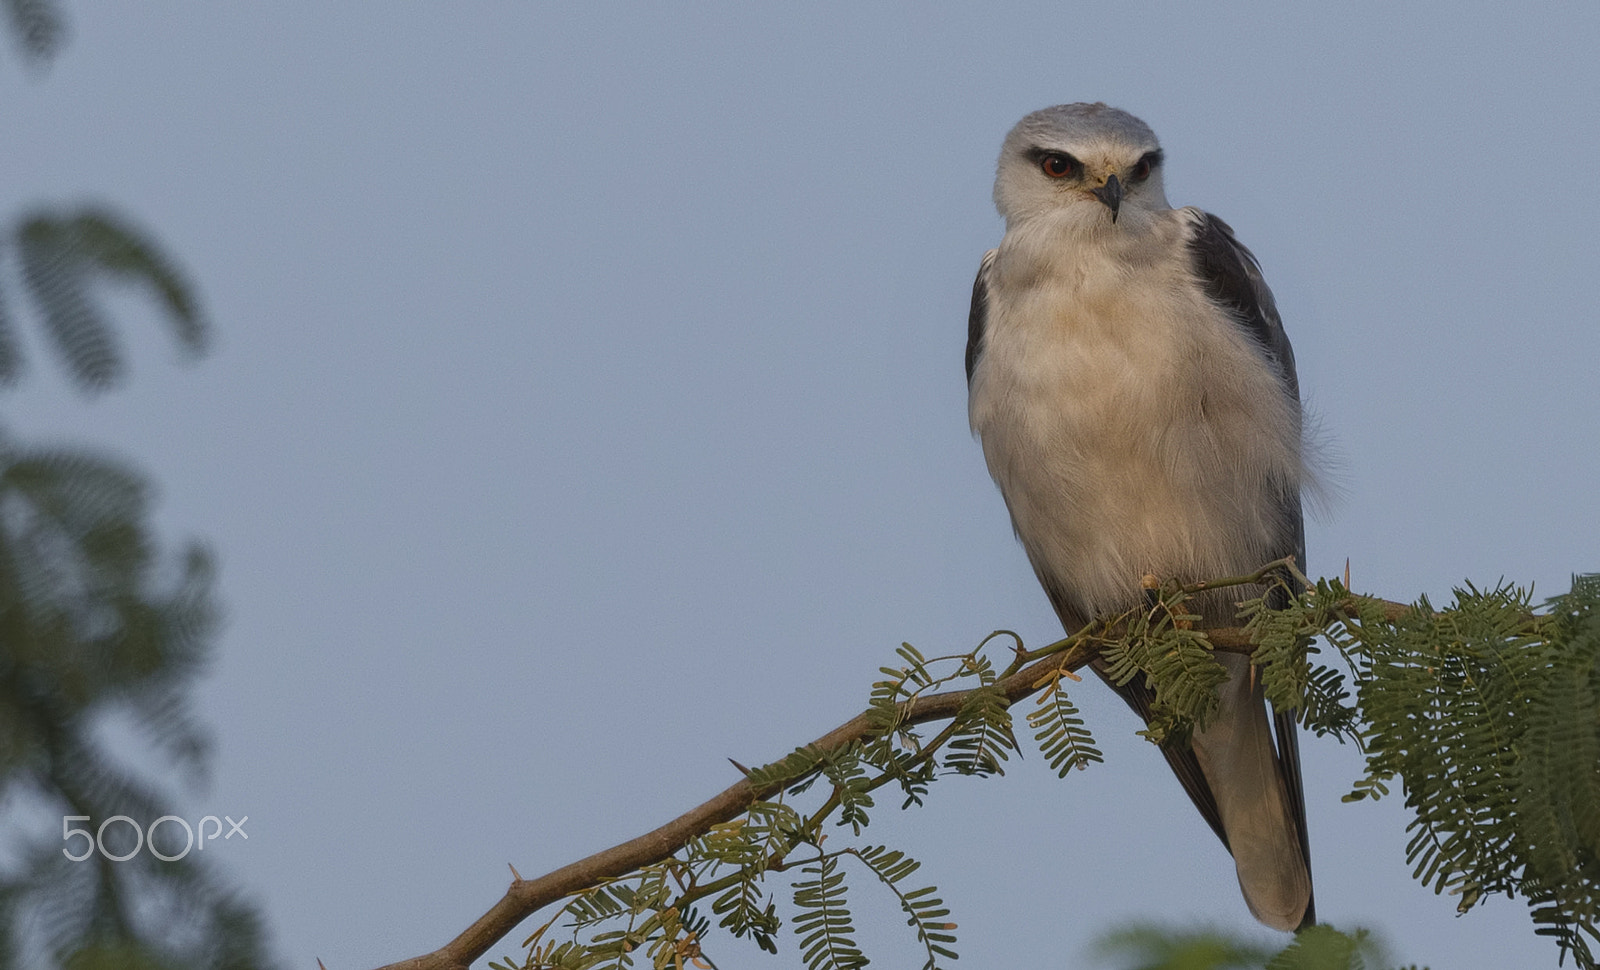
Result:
pixel 823 922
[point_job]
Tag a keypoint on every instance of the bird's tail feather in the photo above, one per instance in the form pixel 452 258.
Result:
pixel 1236 755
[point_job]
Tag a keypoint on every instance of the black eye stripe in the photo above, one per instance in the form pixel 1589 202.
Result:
pixel 1062 165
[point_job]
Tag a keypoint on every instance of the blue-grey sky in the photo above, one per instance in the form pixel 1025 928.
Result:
pixel 586 407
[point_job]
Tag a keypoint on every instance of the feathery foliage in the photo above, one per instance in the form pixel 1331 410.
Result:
pixel 1060 731
pixel 1162 645
pixel 1148 947
pixel 730 863
pixel 94 622
pixel 984 737
pixel 37 26
pixel 823 919
pixel 1486 713
pixel 62 255
pixel 925 912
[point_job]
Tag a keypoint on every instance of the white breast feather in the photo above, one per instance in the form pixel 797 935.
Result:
pixel 1131 425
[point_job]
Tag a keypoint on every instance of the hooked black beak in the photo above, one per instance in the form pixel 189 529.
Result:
pixel 1111 194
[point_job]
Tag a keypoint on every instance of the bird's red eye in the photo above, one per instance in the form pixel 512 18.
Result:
pixel 1144 166
pixel 1058 166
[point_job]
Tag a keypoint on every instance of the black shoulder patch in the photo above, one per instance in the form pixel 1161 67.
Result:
pixel 1232 279
pixel 979 314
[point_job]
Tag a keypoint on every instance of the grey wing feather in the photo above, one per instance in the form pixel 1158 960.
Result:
pixel 1233 280
pixel 1286 731
pixel 979 314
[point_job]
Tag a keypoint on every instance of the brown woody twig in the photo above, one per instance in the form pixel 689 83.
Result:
pixel 525 897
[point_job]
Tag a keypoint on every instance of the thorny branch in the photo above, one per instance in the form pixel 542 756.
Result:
pixel 1028 672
